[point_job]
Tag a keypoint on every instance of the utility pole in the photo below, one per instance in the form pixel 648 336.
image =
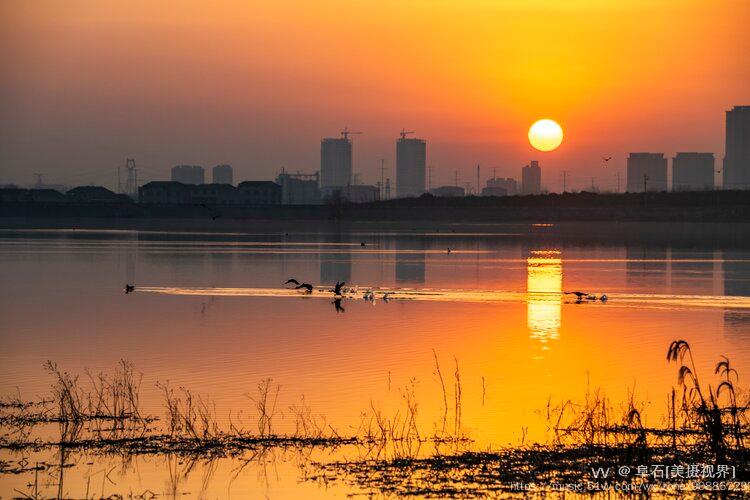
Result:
pixel 38 180
pixel 565 180
pixel 593 189
pixel 618 182
pixel 645 182
pixel 429 178
pixel 382 177
pixel 477 192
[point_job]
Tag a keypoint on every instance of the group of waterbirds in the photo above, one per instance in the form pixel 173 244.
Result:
pixel 590 297
pixel 339 292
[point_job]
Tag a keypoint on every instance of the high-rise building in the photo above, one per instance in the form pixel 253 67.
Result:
pixel 693 171
pixel 737 157
pixel 411 159
pixel 647 172
pixel 188 174
pixel 335 162
pixel 531 178
pixel 223 174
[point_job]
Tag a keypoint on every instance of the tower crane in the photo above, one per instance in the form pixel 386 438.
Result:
pixel 346 133
pixel 404 133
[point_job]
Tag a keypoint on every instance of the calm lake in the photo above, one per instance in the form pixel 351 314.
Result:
pixel 211 313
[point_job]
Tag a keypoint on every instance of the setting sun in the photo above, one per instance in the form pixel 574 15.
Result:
pixel 545 135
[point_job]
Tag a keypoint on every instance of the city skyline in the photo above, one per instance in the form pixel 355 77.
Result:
pixel 91 85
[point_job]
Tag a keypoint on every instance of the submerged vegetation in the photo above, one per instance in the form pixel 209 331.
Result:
pixel 592 441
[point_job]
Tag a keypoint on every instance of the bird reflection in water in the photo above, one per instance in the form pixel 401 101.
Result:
pixel 544 296
pixel 337 304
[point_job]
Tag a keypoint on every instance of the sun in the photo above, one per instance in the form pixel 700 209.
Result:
pixel 545 135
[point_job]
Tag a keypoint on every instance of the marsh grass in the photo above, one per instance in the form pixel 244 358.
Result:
pixel 706 423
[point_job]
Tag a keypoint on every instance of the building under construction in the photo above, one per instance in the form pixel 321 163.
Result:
pixel 336 160
pixel 299 189
pixel 411 161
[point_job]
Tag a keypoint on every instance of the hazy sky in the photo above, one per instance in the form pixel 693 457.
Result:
pixel 86 84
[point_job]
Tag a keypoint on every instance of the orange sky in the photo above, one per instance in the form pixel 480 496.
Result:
pixel 85 84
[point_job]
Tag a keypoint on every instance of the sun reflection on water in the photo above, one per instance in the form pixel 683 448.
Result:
pixel 543 296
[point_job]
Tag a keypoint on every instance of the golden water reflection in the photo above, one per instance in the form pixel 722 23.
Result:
pixel 544 296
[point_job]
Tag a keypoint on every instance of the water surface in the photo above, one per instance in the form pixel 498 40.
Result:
pixel 210 312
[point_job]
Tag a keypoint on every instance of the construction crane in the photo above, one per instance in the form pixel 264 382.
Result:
pixel 346 133
pixel 404 133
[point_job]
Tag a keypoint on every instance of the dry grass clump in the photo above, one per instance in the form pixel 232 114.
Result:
pixel 113 396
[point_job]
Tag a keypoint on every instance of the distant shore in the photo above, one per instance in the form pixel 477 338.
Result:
pixel 707 220
pixel 703 206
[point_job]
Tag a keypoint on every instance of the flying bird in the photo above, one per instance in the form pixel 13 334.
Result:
pixel 292 280
pixel 579 295
pixel 306 286
pixel 606 158
pixel 337 289
pixel 449 250
pixel 129 288
pixel 362 244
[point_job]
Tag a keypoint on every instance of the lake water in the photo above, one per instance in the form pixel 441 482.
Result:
pixel 211 313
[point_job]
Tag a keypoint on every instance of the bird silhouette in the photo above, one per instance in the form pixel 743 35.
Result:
pixel 292 280
pixel 337 304
pixel 129 288
pixel 606 158
pixel 306 286
pixel 385 296
pixel 337 289
pixel 449 250
pixel 579 295
pixel 211 213
pixel 362 244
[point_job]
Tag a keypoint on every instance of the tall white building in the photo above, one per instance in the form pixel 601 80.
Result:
pixel 737 159
pixel 693 171
pixel 222 174
pixel 335 162
pixel 411 161
pixel 647 172
pixel 531 178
